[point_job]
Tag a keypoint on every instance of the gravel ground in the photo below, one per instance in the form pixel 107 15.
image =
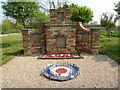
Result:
pixel 96 71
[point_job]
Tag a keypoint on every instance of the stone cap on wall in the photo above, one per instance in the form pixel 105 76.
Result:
pixel 81 27
pixel 92 29
pixel 59 10
pixel 28 29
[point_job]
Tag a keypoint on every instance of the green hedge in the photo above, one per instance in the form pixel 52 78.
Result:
pixel 11 31
pixel 113 34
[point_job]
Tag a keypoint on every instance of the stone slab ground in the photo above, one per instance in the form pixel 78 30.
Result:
pixel 96 71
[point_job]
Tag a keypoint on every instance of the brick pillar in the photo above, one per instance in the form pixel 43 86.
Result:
pixel 26 42
pixel 95 41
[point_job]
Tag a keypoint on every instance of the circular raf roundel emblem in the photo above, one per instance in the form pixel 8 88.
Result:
pixel 61 72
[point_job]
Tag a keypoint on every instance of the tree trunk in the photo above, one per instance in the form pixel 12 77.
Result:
pixel 24 24
pixel 109 34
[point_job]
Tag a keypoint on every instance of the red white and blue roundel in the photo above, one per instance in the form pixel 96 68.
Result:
pixel 61 72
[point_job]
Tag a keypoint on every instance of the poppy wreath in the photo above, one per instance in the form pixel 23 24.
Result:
pixel 60 55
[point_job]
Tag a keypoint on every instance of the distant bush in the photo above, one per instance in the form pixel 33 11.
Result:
pixel 0 28
pixel 92 25
pixel 11 31
pixel 113 34
pixel 9 27
pixel 6 26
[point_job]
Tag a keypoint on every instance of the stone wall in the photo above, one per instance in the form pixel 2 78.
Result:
pixel 87 40
pixel 83 39
pixel 60 28
pixel 54 12
pixel 28 40
pixel 95 41
pixel 76 36
pixel 63 29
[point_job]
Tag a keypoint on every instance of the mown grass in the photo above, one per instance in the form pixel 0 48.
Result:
pixel 11 46
pixel 110 46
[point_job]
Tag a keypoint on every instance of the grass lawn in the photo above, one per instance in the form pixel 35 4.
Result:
pixel 11 46
pixel 109 46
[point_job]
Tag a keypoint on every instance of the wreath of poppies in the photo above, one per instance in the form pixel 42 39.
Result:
pixel 61 72
pixel 59 55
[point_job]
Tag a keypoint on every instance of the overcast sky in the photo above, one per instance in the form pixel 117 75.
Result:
pixel 97 6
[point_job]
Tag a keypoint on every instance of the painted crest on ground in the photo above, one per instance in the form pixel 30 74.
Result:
pixel 61 72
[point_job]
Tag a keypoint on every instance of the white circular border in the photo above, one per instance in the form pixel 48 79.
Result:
pixel 53 71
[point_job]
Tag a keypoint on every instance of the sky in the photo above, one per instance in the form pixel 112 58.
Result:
pixel 97 6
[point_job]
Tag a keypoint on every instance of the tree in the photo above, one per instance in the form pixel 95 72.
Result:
pixel 94 23
pixel 19 26
pixel 21 11
pixel 80 13
pixel 0 28
pixel 117 7
pixel 6 26
pixel 41 17
pixel 106 20
pixel 52 4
